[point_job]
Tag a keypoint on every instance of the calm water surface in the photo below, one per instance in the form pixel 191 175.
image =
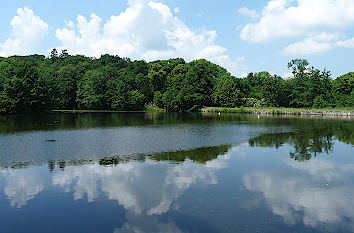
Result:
pixel 159 172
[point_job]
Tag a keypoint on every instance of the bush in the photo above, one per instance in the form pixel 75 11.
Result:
pixel 195 108
pixel 253 102
pixel 319 102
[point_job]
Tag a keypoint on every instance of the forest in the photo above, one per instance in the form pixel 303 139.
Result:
pixel 35 83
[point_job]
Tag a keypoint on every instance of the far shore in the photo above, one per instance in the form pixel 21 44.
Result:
pixel 247 110
pixel 283 111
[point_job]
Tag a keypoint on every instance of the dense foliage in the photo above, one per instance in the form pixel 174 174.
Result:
pixel 36 83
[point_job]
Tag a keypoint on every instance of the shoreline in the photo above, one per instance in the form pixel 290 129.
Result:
pixel 283 111
pixel 343 113
pixel 105 111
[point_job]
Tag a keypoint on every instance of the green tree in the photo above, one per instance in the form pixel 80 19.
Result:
pixel 66 79
pixel 54 55
pixel 227 92
pixel 157 77
pixel 64 54
pixel 158 99
pixel 343 87
pixel 91 90
pixel 24 90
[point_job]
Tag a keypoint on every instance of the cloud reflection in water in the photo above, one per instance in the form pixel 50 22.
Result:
pixel 322 193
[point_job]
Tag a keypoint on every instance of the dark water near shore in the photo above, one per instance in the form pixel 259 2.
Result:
pixel 160 172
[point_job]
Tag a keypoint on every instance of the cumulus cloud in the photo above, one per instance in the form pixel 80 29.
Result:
pixel 346 43
pixel 145 30
pixel 304 20
pixel 316 44
pixel 285 18
pixel 28 31
pixel 308 46
pixel 288 75
pixel 248 12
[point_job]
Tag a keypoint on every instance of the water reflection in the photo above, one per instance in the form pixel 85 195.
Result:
pixel 293 175
pixel 10 124
pixel 142 188
pixel 34 148
pixel 309 140
pixel 22 185
pixel 145 190
pixel 318 193
pixel 146 224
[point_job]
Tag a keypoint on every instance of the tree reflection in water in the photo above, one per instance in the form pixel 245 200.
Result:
pixel 308 140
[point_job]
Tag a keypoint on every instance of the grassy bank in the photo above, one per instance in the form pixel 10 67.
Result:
pixel 146 109
pixel 89 111
pixel 248 110
pixel 282 111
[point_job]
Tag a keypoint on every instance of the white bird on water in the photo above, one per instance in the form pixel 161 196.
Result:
pixel 219 113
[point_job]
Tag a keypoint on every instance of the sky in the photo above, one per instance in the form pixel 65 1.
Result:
pixel 241 35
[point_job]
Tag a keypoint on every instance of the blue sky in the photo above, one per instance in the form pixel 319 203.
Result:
pixel 243 36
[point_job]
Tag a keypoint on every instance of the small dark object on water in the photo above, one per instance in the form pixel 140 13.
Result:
pixel 51 140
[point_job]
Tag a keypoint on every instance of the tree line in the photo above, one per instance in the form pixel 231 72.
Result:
pixel 37 83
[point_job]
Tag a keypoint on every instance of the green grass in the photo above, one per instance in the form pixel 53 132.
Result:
pixel 271 110
pixel 146 109
pixel 90 111
pixel 222 109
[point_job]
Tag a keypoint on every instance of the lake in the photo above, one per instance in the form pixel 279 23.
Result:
pixel 175 172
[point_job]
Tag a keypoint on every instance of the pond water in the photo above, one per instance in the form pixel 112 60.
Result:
pixel 170 172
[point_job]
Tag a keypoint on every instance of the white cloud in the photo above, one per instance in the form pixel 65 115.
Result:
pixel 326 37
pixel 346 43
pixel 308 46
pixel 287 75
pixel 145 30
pixel 176 10
pixel 248 12
pixel 70 24
pixel 285 18
pixel 318 44
pixel 315 25
pixel 28 31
